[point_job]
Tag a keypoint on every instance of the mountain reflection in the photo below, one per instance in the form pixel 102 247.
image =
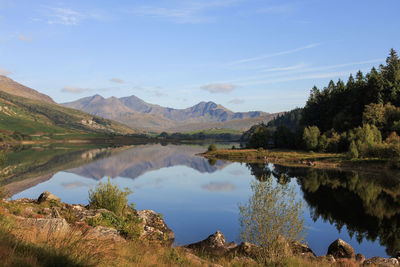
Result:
pixel 29 167
pixel 368 204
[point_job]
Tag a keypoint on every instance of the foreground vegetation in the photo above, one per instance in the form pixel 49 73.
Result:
pixel 32 233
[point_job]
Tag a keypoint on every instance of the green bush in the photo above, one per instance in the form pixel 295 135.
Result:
pixel 211 147
pixel 109 196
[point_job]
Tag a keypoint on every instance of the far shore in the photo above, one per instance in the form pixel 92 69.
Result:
pixel 292 158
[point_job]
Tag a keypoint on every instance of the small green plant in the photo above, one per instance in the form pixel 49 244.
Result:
pixel 260 149
pixel 109 196
pixel 353 151
pixel 211 147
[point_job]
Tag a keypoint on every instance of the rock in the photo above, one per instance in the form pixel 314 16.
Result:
pixel 360 258
pixel 300 249
pixel 104 233
pixel 246 249
pixel 328 258
pixel 213 244
pixel 48 225
pixel 340 249
pixel 154 227
pixel 379 261
pixel 47 196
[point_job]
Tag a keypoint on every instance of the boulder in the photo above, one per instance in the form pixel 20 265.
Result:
pixel 300 249
pixel 340 249
pixel 47 196
pixel 105 233
pixel 246 249
pixel 48 225
pixel 379 261
pixel 154 227
pixel 213 244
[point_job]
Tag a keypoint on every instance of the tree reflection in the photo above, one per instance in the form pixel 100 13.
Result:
pixel 367 204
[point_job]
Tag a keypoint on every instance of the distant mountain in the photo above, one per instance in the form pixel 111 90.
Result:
pixel 11 87
pixel 25 110
pixel 134 111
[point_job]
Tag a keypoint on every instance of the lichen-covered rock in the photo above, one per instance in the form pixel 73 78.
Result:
pixel 379 261
pixel 105 233
pixel 47 225
pixel 213 244
pixel 47 196
pixel 154 227
pixel 340 249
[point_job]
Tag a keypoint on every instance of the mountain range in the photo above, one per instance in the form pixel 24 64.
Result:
pixel 135 112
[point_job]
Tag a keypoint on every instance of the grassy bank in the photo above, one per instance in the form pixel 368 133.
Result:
pixel 301 158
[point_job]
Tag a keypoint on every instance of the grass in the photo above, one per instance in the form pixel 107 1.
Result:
pixel 298 158
pixel 21 245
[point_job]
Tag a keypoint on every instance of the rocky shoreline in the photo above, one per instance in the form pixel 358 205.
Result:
pixel 48 215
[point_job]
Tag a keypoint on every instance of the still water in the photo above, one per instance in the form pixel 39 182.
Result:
pixel 197 197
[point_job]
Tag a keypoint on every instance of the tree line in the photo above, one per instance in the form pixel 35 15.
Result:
pixel 361 117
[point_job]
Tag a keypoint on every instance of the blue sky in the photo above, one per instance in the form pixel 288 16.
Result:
pixel 246 55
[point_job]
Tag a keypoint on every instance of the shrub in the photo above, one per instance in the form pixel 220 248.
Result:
pixel 271 219
pixel 211 147
pixel 109 196
pixel 310 137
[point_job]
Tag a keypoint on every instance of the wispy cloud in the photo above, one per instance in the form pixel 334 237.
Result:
pixel 287 68
pixel 75 90
pixel 24 38
pixel 5 72
pixel 219 187
pixel 187 12
pixel 64 16
pixel 155 91
pixel 219 87
pixel 284 9
pixel 281 53
pixel 117 80
pixel 236 101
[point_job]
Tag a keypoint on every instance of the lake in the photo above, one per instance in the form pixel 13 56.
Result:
pixel 197 197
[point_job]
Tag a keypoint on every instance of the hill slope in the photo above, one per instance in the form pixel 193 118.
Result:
pixel 134 111
pixel 11 87
pixel 31 116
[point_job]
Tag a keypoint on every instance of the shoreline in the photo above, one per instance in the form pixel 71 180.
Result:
pixel 292 158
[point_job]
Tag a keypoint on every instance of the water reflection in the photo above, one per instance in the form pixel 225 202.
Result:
pixel 367 204
pixel 197 198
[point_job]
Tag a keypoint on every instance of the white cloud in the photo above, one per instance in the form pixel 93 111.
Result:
pixel 236 101
pixel 219 87
pixel 219 187
pixel 188 12
pixel 5 72
pixel 75 90
pixel 287 68
pixel 64 16
pixel 117 80
pixel 286 52
pixel 284 9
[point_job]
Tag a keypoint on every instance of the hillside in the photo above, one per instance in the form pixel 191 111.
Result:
pixel 11 87
pixel 134 111
pixel 36 115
